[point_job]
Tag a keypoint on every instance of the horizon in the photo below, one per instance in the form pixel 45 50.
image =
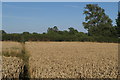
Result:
pixel 38 16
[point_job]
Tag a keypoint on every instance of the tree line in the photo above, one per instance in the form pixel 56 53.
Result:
pixel 97 23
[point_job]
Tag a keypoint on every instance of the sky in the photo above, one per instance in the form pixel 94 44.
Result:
pixel 0 15
pixel 19 17
pixel 60 0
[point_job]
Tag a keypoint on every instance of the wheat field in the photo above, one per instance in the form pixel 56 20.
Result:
pixel 72 59
pixel 12 64
pixel 63 59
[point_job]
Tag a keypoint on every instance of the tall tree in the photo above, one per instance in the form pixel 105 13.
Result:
pixel 118 24
pixel 96 21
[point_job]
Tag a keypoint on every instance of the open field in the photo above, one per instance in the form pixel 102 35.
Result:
pixel 72 59
pixel 61 59
pixel 11 48
pixel 12 67
pixel 12 63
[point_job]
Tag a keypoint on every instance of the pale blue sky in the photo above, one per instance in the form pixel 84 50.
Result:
pixel 0 15
pixel 38 16
pixel 60 0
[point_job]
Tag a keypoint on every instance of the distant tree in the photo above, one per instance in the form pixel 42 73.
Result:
pixel 54 29
pixel 96 21
pixel 34 33
pixel 25 37
pixel 72 30
pixel 25 33
pixel 2 32
pixel 44 33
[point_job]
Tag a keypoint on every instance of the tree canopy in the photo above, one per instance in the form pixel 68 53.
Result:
pixel 97 22
pixel 118 24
